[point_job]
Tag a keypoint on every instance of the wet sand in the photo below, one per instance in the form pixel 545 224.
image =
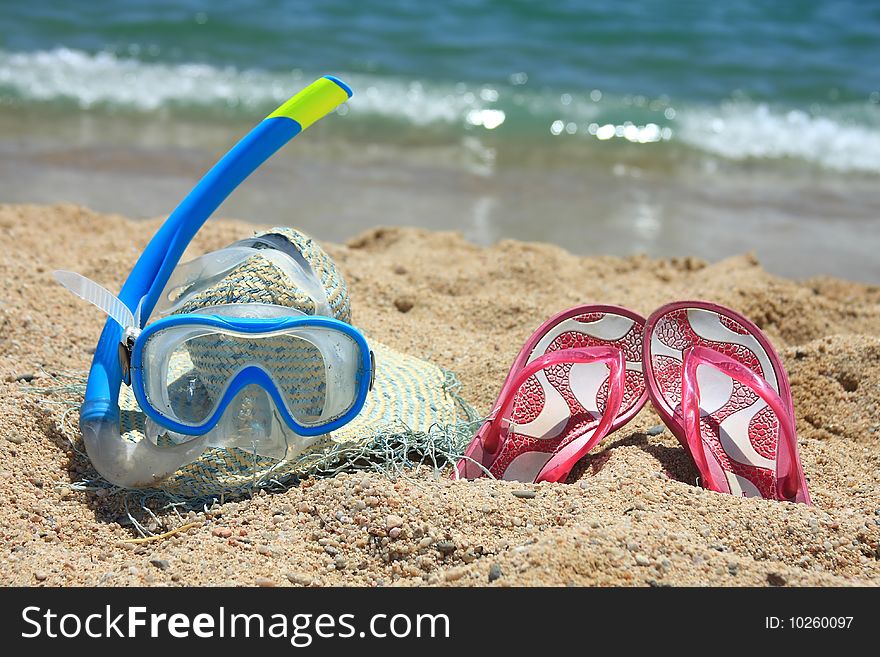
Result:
pixel 631 514
pixel 596 198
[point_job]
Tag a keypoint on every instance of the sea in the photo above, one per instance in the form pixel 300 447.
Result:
pixel 705 129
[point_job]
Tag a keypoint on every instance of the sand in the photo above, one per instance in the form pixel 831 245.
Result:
pixel 631 513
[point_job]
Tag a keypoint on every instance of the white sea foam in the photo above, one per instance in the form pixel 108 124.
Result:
pixel 842 138
pixel 743 130
pixel 104 79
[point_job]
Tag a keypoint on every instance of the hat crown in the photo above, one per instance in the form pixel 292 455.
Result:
pixel 281 267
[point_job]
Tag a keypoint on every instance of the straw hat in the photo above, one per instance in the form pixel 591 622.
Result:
pixel 413 405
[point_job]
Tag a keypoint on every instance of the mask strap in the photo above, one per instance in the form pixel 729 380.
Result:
pixel 87 290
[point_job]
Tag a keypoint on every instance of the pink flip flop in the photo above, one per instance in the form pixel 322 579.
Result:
pixel 577 378
pixel 719 385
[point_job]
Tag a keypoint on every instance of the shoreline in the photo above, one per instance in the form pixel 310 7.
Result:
pixel 630 516
pixel 597 197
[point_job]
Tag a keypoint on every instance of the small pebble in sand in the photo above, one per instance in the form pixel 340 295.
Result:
pixel 642 560
pixel 161 564
pixel 394 533
pixel 299 578
pixel 15 439
pixel 445 547
pixel 656 430
pixel 40 576
pixel 264 582
pixel 775 579
pixel 494 572
pixel 222 532
pixel 392 521
pixel 403 304
pixel 524 494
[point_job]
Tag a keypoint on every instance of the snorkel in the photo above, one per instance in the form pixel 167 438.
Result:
pixel 143 463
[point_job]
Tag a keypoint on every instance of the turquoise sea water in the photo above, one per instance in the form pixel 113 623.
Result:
pixel 620 124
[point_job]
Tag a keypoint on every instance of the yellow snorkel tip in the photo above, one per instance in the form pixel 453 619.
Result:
pixel 314 102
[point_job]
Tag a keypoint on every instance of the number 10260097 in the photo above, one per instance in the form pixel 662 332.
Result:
pixel 808 622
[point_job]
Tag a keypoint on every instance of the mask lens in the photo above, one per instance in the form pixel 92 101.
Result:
pixel 189 369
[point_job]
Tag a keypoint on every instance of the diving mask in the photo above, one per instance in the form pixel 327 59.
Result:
pixel 239 372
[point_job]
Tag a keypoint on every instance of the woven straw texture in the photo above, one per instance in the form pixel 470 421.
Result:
pixel 258 280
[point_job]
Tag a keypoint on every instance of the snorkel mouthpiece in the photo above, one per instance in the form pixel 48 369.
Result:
pixel 145 463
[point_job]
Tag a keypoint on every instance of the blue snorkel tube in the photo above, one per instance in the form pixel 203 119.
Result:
pixel 143 463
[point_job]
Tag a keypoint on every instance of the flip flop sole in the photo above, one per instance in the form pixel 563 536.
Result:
pixel 740 433
pixel 564 403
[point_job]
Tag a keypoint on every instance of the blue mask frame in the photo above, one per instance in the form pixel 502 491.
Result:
pixel 153 269
pixel 251 374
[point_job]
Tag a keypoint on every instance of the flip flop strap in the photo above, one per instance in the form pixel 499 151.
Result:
pixel 611 356
pixel 690 400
